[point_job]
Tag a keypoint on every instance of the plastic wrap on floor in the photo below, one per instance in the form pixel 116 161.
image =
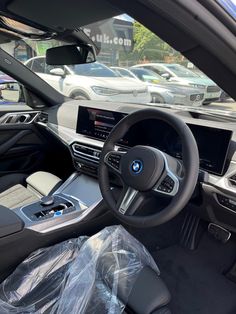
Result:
pixel 83 275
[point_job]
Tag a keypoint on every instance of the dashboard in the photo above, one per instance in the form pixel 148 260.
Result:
pixel 83 126
pixel 98 123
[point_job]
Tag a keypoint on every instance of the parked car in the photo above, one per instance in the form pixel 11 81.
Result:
pixel 224 97
pixel 92 81
pixel 162 91
pixel 4 78
pixel 6 82
pixel 177 73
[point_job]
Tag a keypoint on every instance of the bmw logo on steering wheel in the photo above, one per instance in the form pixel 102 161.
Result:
pixel 136 166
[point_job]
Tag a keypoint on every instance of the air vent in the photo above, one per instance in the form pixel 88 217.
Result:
pixel 43 118
pixel 86 152
pixel 232 180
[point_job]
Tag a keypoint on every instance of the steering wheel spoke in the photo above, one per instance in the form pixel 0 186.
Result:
pixel 130 201
pixel 113 160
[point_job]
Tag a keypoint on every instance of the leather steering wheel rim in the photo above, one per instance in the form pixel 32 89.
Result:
pixel 190 160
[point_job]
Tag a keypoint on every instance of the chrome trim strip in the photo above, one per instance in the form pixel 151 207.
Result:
pixel 127 200
pixel 219 227
pixel 5 117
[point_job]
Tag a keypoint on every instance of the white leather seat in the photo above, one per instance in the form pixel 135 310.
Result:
pixel 37 185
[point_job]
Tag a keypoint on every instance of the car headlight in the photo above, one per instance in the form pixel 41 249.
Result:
pixel 104 91
pixel 198 85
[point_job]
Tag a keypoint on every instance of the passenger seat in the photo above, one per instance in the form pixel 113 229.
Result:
pixel 26 190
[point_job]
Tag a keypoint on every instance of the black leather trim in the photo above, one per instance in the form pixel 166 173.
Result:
pixel 149 293
pixel 9 222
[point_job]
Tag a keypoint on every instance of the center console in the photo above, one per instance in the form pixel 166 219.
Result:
pixel 70 204
pixel 49 207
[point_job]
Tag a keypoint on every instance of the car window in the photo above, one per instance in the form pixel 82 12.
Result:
pixel 48 68
pixel 157 69
pixel 181 71
pixel 124 72
pixel 92 69
pixel 30 64
pixel 147 75
pixel 229 6
pixel 11 92
pixel 38 65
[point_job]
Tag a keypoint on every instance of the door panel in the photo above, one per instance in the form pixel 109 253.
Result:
pixel 22 148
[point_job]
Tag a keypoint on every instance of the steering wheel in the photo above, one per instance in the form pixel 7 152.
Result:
pixel 146 169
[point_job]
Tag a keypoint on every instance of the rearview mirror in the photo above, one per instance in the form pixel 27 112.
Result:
pixel 10 92
pixel 70 54
pixel 57 71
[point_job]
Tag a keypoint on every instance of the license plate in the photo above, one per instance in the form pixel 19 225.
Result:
pixel 212 95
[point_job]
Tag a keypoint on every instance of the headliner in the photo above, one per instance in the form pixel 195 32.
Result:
pixel 63 14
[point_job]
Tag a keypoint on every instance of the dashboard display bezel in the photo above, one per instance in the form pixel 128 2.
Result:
pixel 115 116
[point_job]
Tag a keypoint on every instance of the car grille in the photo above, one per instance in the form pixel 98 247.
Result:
pixel 212 89
pixel 196 97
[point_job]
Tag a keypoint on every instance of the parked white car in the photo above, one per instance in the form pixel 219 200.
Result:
pixel 163 91
pixel 92 81
pixel 174 72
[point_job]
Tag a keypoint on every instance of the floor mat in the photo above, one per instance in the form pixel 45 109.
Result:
pixel 195 278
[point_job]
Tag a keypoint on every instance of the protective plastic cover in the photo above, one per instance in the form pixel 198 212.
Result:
pixel 83 275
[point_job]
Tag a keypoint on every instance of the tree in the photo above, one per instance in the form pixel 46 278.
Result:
pixel 149 45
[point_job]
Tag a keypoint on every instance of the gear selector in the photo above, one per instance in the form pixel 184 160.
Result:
pixel 47 200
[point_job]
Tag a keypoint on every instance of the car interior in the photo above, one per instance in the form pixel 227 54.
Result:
pixel 86 185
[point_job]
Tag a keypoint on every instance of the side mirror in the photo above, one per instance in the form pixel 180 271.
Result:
pixel 167 76
pixel 57 71
pixel 10 92
pixel 70 54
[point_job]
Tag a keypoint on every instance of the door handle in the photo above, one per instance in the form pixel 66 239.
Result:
pixel 19 117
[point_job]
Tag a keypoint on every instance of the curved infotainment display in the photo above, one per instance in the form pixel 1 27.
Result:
pixel 213 143
pixel 97 123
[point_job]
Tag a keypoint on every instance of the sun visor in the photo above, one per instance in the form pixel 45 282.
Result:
pixel 63 16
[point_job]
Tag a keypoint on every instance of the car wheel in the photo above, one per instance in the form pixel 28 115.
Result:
pixel 79 96
pixel 156 98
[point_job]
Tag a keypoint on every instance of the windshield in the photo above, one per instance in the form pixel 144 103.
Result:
pixel 180 70
pixel 148 76
pixel 125 47
pixel 92 69
pixel 123 72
